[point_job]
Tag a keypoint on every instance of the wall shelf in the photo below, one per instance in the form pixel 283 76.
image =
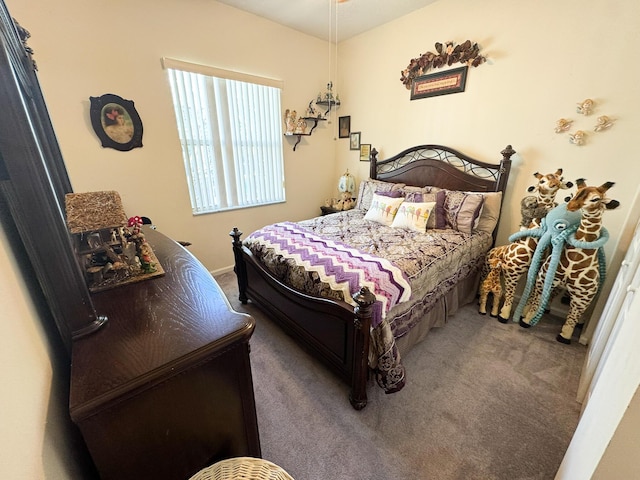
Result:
pixel 315 121
pixel 328 104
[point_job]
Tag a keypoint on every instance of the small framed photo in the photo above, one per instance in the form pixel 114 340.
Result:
pixel 344 127
pixel 365 152
pixel 354 141
pixel 116 122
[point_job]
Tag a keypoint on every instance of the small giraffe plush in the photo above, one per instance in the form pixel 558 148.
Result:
pixel 491 284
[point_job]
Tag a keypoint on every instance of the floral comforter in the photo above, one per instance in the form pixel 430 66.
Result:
pixel 433 262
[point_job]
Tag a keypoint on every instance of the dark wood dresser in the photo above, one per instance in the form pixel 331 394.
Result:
pixel 164 388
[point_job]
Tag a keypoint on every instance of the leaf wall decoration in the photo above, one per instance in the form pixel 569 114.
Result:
pixel 447 54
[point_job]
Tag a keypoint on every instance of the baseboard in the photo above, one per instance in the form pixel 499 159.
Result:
pixel 222 270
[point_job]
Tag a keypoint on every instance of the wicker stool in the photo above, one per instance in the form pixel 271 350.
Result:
pixel 242 468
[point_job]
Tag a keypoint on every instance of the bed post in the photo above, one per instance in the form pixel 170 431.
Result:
pixel 240 268
pixel 373 158
pixel 503 175
pixel 362 322
pixel 505 167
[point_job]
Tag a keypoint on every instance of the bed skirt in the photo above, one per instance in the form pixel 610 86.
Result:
pixel 463 293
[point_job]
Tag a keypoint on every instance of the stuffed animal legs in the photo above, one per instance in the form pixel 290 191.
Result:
pixel 491 284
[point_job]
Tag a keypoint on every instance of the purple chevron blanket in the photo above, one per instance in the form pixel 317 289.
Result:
pixel 344 268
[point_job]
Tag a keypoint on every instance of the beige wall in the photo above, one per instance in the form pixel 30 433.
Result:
pixel 37 440
pixel 544 57
pixel 116 47
pixel 25 370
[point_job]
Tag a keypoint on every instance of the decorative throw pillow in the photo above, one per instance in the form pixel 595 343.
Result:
pixel 383 209
pixel 461 210
pixel 369 187
pixel 490 212
pixel 413 216
pixel 438 210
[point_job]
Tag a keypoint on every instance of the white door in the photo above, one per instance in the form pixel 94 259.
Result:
pixel 615 381
pixel 609 314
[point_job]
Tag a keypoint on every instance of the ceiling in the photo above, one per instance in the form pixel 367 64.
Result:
pixel 312 16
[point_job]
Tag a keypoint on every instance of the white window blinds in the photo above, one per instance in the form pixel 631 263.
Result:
pixel 231 136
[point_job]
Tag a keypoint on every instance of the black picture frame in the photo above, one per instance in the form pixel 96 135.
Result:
pixel 344 127
pixel 441 83
pixel 116 122
pixel 365 152
pixel 354 141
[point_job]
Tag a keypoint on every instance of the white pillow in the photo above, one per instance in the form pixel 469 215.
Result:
pixel 490 212
pixel 413 216
pixel 383 209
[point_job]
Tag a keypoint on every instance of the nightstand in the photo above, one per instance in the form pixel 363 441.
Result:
pixel 328 210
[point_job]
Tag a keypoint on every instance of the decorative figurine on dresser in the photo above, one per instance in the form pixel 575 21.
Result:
pixel 109 253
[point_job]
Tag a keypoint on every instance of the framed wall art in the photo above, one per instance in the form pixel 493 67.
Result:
pixel 441 83
pixel 354 141
pixel 344 127
pixel 116 122
pixel 365 152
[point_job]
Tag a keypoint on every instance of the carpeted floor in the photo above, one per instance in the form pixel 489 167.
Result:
pixel 483 400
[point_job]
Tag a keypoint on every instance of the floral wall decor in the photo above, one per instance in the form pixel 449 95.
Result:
pixel 446 55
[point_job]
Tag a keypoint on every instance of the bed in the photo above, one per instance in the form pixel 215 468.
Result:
pixel 421 276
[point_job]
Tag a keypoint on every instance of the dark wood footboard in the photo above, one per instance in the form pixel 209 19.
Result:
pixel 333 331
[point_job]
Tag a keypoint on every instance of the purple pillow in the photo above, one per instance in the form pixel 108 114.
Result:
pixel 441 215
pixel 390 193
pixel 461 210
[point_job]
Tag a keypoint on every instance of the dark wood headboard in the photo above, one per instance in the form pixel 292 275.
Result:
pixel 443 167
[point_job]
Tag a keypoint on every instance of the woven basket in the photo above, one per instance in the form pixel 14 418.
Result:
pixel 242 468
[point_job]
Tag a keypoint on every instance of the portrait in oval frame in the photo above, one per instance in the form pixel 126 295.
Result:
pixel 116 122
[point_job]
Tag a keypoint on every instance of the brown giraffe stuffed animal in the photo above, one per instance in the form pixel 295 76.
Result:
pixel 580 269
pixel 491 284
pixel 516 256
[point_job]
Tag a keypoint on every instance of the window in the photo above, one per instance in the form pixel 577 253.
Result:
pixel 231 134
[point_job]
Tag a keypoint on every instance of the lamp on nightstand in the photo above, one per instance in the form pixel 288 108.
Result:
pixel 346 187
pixel 347 183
